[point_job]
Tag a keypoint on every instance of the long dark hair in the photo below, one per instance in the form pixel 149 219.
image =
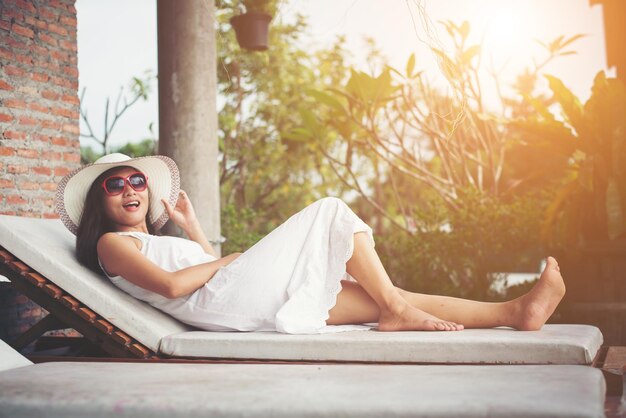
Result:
pixel 94 223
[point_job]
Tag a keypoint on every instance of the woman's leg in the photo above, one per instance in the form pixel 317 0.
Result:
pixel 527 312
pixel 379 300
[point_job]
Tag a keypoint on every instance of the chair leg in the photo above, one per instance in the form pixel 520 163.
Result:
pixel 48 323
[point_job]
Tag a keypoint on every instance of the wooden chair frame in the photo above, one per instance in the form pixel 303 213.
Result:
pixel 65 311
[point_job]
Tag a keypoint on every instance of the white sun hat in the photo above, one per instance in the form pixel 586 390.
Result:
pixel 163 183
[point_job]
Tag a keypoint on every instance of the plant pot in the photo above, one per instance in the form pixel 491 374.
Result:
pixel 252 29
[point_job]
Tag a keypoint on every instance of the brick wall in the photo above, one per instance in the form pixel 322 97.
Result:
pixel 39 121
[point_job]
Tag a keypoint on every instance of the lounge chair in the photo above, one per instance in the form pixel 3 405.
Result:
pixel 38 257
pixel 88 389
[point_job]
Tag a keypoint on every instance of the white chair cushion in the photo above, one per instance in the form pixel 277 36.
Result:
pixel 11 359
pixel 48 247
pixel 554 344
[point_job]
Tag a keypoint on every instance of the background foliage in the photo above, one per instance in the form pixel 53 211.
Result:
pixel 456 191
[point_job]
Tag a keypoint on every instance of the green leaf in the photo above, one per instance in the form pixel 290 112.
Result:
pixel 309 120
pixel 326 99
pixel 464 29
pixel 297 135
pixel 572 39
pixel 470 53
pixel 572 108
pixel 410 66
pixel 447 65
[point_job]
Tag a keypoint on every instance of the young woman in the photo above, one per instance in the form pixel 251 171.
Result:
pixel 316 270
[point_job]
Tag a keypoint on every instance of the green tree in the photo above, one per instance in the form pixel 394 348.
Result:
pixel 266 173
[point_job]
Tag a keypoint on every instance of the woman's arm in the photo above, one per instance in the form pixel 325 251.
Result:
pixel 120 256
pixel 184 216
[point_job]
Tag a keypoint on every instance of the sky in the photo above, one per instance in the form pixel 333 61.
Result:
pixel 109 55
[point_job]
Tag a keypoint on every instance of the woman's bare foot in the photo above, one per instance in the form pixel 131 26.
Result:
pixel 409 318
pixel 536 306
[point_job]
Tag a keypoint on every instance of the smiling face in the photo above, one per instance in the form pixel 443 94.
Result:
pixel 128 209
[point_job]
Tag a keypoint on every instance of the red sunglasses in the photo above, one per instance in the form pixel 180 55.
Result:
pixel 114 185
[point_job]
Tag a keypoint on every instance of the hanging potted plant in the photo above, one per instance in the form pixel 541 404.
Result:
pixel 252 26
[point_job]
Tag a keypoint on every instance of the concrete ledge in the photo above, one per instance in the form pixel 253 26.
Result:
pixel 260 390
pixel 553 344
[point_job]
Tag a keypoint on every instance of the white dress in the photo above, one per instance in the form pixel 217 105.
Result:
pixel 286 282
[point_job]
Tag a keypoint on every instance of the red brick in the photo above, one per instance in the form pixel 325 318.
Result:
pixel 15 103
pixel 49 186
pixel 48 201
pixel 48 39
pixel 51 155
pixel 50 215
pixel 5 86
pixel 31 313
pixel 8 212
pixel 61 171
pixel 13 70
pixel 6 151
pixel 11 13
pixel 5 25
pixel 50 124
pixel 27 214
pixel 5 53
pixel 39 50
pixel 40 137
pixel 40 77
pixel 22 30
pixel 17 44
pixel 24 59
pixel 6 184
pixel 59 111
pixel 28 185
pixel 73 129
pixel 57 29
pixel 50 95
pixel 36 22
pixel 49 14
pixel 59 55
pixel 71 71
pixel 25 120
pixel 71 156
pixel 5 118
pixel 46 171
pixel 69 21
pixel 20 299
pixel 67 45
pixel 14 135
pixel 61 82
pixel 25 5
pixel 38 108
pixel 59 140
pixel 17 169
pixel 16 199
pixel 70 99
pixel 28 153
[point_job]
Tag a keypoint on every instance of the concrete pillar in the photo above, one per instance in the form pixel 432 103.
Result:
pixel 187 104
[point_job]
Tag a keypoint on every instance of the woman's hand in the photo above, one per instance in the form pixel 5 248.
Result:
pixel 184 217
pixel 183 214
